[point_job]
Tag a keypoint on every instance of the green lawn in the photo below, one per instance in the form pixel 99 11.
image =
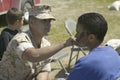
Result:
pixel 63 9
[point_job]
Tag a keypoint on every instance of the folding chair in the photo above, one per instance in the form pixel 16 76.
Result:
pixel 57 57
pixel 70 26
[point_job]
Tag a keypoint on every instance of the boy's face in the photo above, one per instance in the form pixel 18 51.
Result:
pixel 19 23
pixel 81 36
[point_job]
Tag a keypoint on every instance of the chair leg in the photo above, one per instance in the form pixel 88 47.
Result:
pixel 82 51
pixel 70 59
pixel 66 72
pixel 77 56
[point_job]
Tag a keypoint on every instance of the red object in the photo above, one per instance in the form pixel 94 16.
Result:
pixel 37 1
pixel 5 5
pixel 15 3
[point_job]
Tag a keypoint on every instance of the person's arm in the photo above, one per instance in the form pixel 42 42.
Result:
pixel 35 55
pixel 6 40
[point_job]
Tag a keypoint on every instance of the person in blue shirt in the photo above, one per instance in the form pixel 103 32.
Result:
pixel 102 62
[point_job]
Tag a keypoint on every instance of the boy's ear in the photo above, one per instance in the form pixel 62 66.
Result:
pixel 91 37
pixel 16 22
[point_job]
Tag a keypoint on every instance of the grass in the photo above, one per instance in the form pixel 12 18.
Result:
pixel 63 9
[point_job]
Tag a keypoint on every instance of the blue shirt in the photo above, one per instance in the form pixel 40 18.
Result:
pixel 99 64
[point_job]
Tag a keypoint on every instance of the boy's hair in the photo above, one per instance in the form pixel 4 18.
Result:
pixel 13 15
pixel 95 24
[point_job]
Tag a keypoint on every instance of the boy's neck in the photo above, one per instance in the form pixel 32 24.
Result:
pixel 11 27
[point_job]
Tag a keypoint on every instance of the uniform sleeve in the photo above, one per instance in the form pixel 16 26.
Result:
pixel 22 47
pixel 20 43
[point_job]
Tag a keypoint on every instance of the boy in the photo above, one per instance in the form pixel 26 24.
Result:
pixel 14 19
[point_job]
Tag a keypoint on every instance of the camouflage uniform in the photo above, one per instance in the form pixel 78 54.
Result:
pixel 13 66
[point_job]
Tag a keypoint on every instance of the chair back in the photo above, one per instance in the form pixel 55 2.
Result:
pixel 70 26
